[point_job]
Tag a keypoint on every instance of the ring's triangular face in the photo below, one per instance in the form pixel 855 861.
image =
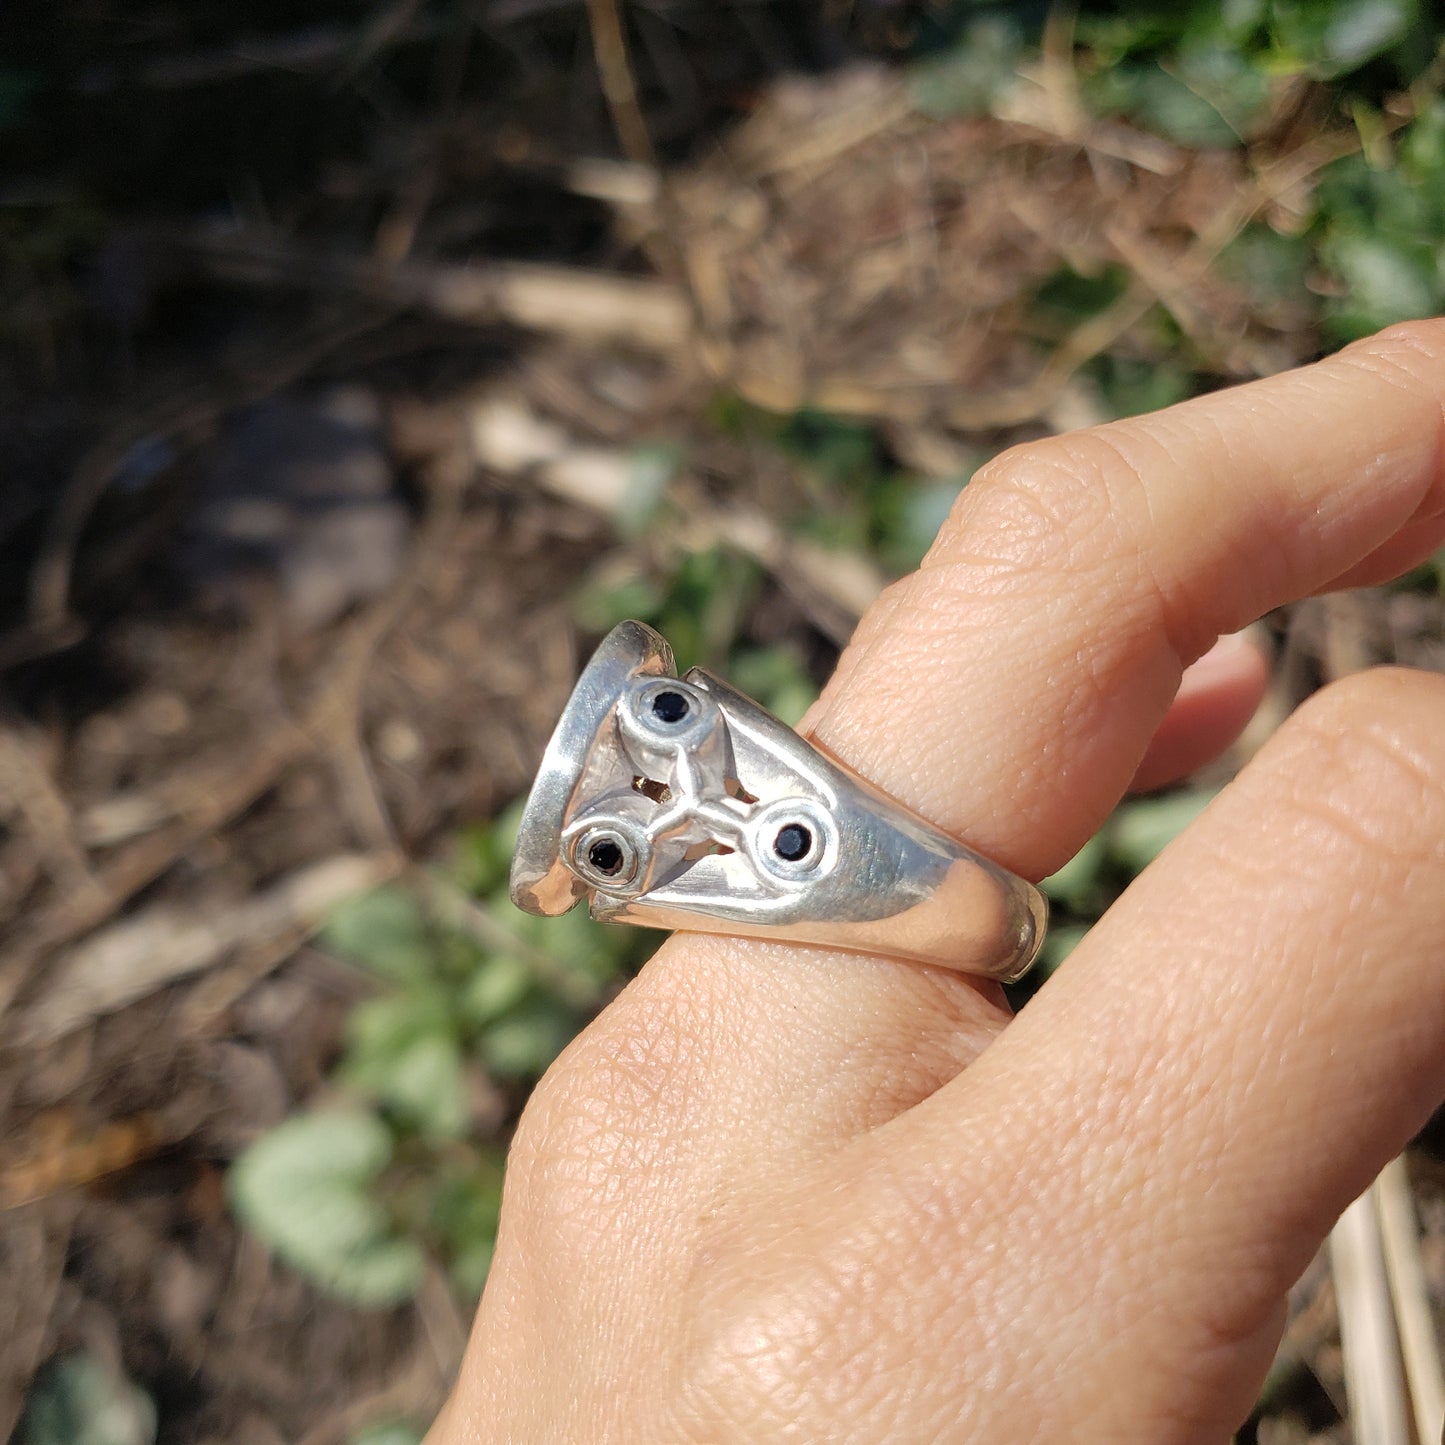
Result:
pixel 681 803
pixel 541 881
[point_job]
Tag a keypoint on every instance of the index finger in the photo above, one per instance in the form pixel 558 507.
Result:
pixel 1008 689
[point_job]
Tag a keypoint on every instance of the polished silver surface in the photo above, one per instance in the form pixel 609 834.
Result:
pixel 681 803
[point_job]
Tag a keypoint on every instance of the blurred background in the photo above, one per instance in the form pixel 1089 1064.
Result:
pixel 361 362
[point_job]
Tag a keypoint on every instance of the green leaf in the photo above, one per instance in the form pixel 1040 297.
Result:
pixel 743 420
pixel 840 452
pixel 698 609
pixel 77 1400
pixel 778 678
pixel 1331 38
pixel 1228 79
pixel 611 596
pixel 652 468
pixel 1077 885
pixel 908 513
pixel 1152 97
pixel 1240 19
pixel 524 1043
pixel 470 1266
pixel 306 1189
pixel 580 945
pixel 1059 943
pixel 1386 279
pixel 426 1087
pixel 1130 386
pixel 1113 36
pixel 403 1051
pixel 483 858
pixel 497 987
pixel 1270 266
pixel 969 79
pixel 1404 201
pixel 1422 145
pixel 1140 830
pixel 466 1206
pixel 1069 297
pixel 467 1200
pixel 385 932
pixel 385 1273
pixel 389 1432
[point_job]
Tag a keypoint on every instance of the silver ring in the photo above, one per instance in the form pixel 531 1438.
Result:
pixel 681 803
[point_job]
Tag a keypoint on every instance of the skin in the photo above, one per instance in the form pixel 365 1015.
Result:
pixel 778 1193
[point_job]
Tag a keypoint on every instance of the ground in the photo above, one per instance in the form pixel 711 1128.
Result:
pixel 328 458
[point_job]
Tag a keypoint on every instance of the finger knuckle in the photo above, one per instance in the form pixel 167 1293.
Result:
pixel 755 1361
pixel 1033 502
pixel 1077 509
pixel 595 1134
pixel 557 1166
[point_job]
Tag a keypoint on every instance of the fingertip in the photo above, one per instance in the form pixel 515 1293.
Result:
pixel 1404 343
pixel 1218 695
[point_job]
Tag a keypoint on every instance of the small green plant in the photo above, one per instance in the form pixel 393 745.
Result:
pixel 1134 835
pixel 78 1400
pixel 1380 230
pixel 472 995
pixel 388 1432
pixel 1211 76
pixel 309 1188
pixel 1369 251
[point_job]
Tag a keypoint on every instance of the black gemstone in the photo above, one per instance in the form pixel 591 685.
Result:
pixel 669 707
pixel 793 842
pixel 605 856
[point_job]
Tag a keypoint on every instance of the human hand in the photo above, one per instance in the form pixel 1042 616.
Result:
pixel 784 1193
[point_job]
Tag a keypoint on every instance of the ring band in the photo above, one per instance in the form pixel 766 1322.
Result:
pixel 681 803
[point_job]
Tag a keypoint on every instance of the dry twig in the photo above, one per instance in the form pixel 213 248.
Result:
pixel 62 1154
pixel 27 787
pixel 510 438
pixel 1095 336
pixel 1419 1342
pixel 34 1245
pixel 207 1005
pixel 567 301
pixel 317 47
pixel 1374 1380
pixel 415 1387
pixel 206 796
pixel 609 42
pixel 158 945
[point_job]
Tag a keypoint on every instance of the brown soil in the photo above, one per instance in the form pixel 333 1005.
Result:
pixel 176 738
